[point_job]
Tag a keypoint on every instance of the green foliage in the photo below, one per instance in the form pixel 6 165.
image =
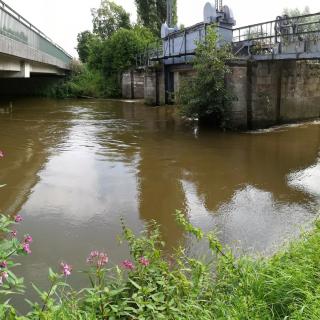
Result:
pixel 205 96
pixel 84 82
pixel 156 285
pixel 109 18
pixel 153 13
pixel 84 39
pixel 107 52
pixel 117 54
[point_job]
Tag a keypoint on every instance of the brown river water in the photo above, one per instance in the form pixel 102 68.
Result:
pixel 73 168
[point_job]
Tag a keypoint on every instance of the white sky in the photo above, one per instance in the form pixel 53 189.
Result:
pixel 62 20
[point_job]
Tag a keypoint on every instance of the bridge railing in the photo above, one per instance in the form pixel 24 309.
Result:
pixel 180 46
pixel 14 26
pixel 265 37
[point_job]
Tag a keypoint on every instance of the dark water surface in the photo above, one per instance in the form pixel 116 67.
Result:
pixel 73 168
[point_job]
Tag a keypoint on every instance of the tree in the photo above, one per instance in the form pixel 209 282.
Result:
pixel 205 96
pixel 302 24
pixel 85 39
pixel 117 54
pixel 290 12
pixel 153 13
pixel 109 18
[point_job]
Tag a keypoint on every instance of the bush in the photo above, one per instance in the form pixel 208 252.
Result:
pixel 205 96
pixel 82 82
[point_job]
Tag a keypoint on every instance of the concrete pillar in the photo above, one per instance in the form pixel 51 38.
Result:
pixel 25 69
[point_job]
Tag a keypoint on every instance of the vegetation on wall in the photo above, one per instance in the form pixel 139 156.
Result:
pixel 205 96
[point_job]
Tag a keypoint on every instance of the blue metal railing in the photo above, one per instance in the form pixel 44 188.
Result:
pixel 14 26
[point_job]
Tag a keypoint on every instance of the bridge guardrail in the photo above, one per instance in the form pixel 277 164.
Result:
pixel 14 26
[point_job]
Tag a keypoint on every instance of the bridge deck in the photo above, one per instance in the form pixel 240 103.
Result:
pixel 24 38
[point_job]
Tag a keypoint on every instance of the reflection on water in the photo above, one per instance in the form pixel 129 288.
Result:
pixel 307 180
pixel 73 168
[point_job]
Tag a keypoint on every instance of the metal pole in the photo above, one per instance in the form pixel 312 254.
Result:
pixel 170 13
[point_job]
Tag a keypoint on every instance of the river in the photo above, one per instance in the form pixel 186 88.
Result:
pixel 73 168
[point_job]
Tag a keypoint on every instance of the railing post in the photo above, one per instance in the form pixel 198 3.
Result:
pixel 185 45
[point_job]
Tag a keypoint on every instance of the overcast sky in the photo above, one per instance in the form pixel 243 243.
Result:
pixel 62 20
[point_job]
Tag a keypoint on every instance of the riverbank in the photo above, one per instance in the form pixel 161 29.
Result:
pixel 154 286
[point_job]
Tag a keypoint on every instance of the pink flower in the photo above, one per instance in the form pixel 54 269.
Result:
pixel 28 239
pixel 3 276
pixel 13 233
pixel 3 264
pixel 98 258
pixel 103 259
pixel 65 269
pixel 26 248
pixel 1 154
pixel 144 261
pixel 128 265
pixel 18 218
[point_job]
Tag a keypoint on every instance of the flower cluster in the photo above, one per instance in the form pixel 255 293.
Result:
pixel 13 233
pixel 128 265
pixel 18 218
pixel 144 261
pixel 26 248
pixel 3 276
pixel 65 269
pixel 97 258
pixel 1 154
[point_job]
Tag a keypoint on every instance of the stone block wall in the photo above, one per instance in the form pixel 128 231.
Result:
pixel 300 91
pixel 267 92
pixel 133 85
pixel 237 82
pixel 154 87
pixel 274 92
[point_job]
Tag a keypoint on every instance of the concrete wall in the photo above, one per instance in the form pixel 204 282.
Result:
pixel 154 87
pixel 266 92
pixel 237 81
pixel 133 85
pixel 283 92
pixel 300 91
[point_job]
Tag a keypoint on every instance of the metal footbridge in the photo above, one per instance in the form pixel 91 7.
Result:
pixel 285 38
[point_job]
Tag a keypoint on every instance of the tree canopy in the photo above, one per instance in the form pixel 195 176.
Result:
pixel 84 39
pixel 109 18
pixel 295 12
pixel 153 13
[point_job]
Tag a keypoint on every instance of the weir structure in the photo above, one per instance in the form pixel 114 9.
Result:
pixel 275 71
pixel 25 50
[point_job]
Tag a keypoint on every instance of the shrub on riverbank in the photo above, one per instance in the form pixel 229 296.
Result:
pixel 81 83
pixel 205 96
